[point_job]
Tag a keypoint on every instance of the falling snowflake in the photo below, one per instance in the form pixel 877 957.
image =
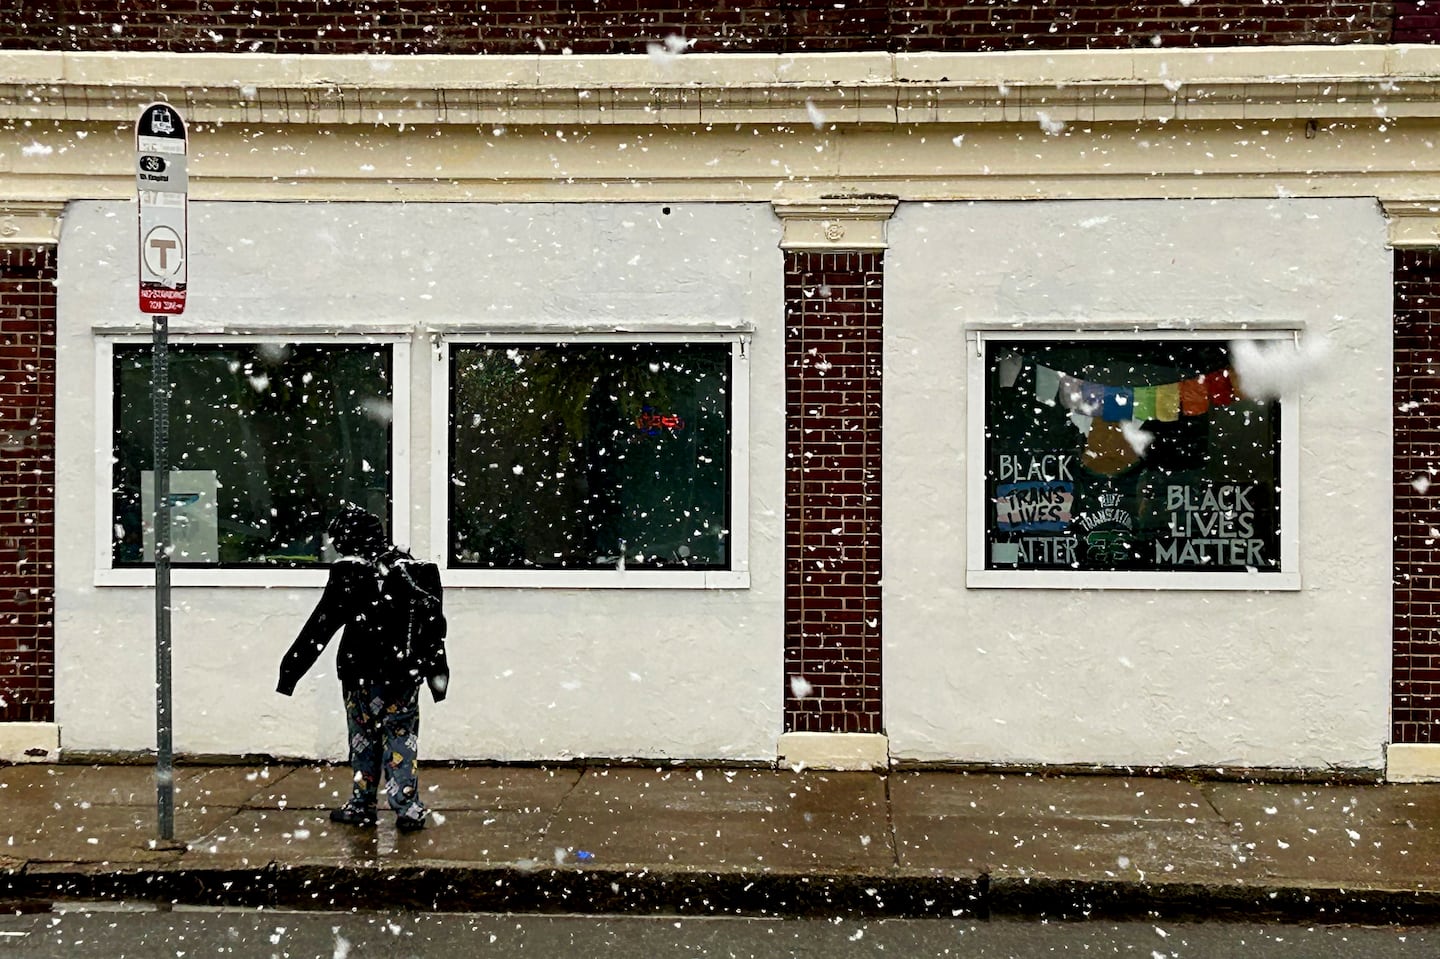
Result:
pixel 1278 367
pixel 817 118
pixel 1051 126
pixel 378 409
pixel 664 54
pixel 1139 439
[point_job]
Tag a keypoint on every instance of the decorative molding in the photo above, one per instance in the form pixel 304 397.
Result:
pixel 820 90
pixel 835 224
pixel 187 326
pixel 545 326
pixel 1179 324
pixel 30 223
pixel 1263 122
pixel 1413 223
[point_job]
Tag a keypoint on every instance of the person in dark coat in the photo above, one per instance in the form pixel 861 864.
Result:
pixel 382 711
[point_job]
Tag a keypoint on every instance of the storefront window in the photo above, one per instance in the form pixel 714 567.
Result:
pixel 266 440
pixel 590 456
pixel 1128 456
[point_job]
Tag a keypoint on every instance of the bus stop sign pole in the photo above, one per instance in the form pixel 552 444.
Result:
pixel 162 185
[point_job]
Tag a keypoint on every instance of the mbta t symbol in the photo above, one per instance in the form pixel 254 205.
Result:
pixel 164 252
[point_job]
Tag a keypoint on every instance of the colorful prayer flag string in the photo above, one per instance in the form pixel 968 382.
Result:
pixel 1165 402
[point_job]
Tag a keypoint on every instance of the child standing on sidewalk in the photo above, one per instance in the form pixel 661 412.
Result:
pixel 382 697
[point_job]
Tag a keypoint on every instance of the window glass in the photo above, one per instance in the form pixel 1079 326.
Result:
pixel 590 456
pixel 265 441
pixel 1128 455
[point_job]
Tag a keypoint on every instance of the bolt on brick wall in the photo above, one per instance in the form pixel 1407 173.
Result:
pixel 1415 676
pixel 833 312
pixel 631 26
pixel 27 485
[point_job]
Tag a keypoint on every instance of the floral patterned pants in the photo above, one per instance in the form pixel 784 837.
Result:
pixel 384 736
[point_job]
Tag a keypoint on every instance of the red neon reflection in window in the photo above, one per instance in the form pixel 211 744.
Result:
pixel 651 422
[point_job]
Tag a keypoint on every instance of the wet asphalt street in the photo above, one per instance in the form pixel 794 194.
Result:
pixel 80 931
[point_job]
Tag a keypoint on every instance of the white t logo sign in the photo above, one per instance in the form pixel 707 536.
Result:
pixel 164 252
pixel 163 246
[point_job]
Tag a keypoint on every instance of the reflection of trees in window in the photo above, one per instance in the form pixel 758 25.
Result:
pixel 574 456
pixel 290 431
pixel 1136 481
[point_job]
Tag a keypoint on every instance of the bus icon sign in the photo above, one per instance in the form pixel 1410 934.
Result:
pixel 162 122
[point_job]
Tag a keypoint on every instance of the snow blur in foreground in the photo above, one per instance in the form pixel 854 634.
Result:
pixel 1275 368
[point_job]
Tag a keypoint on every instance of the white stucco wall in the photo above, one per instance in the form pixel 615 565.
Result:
pixel 1123 676
pixel 537 673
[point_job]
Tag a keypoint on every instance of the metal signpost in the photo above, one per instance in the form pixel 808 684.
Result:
pixel 162 182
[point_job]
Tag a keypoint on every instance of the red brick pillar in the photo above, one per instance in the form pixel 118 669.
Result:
pixel 834 310
pixel 27 483
pixel 1414 752
pixel 1415 706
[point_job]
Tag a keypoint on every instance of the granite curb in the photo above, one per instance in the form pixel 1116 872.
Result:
pixel 444 887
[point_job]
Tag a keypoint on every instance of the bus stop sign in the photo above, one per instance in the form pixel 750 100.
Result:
pixel 162 182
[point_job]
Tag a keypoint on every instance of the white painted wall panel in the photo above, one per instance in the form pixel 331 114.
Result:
pixel 1139 677
pixel 989 675
pixel 537 673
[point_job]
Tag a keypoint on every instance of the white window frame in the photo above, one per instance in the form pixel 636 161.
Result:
pixel 107 574
pixel 737 577
pixel 977 503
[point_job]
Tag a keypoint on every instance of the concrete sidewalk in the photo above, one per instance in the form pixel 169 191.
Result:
pixel 720 840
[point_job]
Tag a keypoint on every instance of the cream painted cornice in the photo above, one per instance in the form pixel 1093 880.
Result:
pixel 30 224
pixel 1259 122
pixel 754 89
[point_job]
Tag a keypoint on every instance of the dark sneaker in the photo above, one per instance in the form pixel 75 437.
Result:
pixel 408 823
pixel 353 814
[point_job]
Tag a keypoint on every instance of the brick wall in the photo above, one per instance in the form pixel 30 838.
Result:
pixel 1066 26
pixel 627 26
pixel 833 312
pixel 27 485
pixel 1415 712
pixel 1416 21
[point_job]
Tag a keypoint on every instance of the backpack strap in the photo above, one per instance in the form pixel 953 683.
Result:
pixel 405 572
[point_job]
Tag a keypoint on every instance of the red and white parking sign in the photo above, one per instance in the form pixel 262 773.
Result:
pixel 162 182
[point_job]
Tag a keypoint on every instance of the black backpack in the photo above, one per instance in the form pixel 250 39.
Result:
pixel 412 615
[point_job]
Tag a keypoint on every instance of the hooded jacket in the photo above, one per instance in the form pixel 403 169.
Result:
pixel 350 603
